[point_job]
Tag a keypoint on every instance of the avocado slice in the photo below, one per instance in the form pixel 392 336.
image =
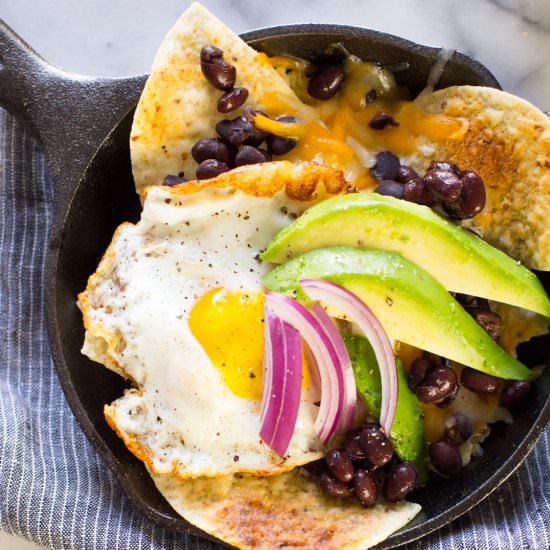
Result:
pixel 412 306
pixel 459 260
pixel 407 433
pixel 365 370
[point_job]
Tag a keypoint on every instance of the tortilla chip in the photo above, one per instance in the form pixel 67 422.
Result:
pixel 508 143
pixel 284 511
pixel 301 181
pixel 178 105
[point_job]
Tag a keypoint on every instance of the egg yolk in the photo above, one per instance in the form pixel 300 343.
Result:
pixel 230 328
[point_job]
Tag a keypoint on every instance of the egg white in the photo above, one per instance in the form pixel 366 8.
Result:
pixel 182 418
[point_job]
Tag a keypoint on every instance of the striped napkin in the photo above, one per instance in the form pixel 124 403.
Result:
pixel 56 491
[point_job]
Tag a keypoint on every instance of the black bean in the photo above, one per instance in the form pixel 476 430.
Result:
pixel 317 467
pixel 406 173
pixel 210 53
pixel 278 145
pixel 417 191
pixel 339 465
pixel 371 95
pixel 376 445
pixel 435 360
pixel 240 131
pixel 250 155
pixel 445 458
pixel 434 165
pixel 472 199
pixel 400 481
pixel 381 120
pixel 352 445
pixel 212 149
pixel 391 188
pixel 386 167
pixel 487 319
pixel 169 181
pixel 465 299
pixel 326 82
pixel 440 383
pixel 458 429
pixel 449 399
pixel 483 303
pixel 444 185
pixel 232 100
pixel 217 71
pixel 418 372
pixel 365 488
pixel 210 168
pixel 478 382
pixel 333 487
pixel 515 393
pixel 454 210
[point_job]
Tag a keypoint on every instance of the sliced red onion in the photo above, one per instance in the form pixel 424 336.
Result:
pixel 359 313
pixel 282 382
pixel 326 359
pixel 344 363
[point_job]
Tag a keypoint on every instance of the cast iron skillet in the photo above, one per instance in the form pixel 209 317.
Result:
pixel 83 124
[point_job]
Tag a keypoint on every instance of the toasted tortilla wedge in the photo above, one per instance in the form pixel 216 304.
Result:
pixel 178 105
pixel 284 511
pixel 508 143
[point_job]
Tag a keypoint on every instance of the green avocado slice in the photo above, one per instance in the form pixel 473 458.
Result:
pixel 412 306
pixel 458 259
pixel 407 434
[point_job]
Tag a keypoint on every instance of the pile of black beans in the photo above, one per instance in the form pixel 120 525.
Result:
pixel 434 381
pixel 362 465
pixel 460 193
pixel 239 142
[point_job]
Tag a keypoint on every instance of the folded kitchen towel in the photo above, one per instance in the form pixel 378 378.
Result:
pixel 55 489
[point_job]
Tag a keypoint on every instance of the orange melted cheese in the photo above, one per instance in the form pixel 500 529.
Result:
pixel 337 132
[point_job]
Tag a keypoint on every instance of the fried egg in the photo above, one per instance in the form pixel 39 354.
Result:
pixel 176 306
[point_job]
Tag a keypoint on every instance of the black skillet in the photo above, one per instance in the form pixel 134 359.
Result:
pixel 83 124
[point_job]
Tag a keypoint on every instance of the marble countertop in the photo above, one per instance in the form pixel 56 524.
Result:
pixel 120 37
pixel 511 37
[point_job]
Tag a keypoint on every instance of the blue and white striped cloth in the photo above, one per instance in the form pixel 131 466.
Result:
pixel 55 489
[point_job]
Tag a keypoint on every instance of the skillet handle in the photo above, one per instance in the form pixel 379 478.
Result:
pixel 69 113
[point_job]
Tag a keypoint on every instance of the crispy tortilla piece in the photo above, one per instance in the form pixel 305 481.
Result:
pixel 284 511
pixel 508 143
pixel 178 105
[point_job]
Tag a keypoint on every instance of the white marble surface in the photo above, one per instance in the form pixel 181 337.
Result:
pixel 119 37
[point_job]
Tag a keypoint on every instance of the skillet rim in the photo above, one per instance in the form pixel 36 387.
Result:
pixel 407 533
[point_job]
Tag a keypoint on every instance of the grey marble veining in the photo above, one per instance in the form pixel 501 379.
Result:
pixel 119 37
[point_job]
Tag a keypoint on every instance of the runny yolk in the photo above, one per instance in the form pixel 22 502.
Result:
pixel 229 326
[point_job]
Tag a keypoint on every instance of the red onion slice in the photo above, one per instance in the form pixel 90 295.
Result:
pixel 326 358
pixel 359 313
pixel 282 382
pixel 344 363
